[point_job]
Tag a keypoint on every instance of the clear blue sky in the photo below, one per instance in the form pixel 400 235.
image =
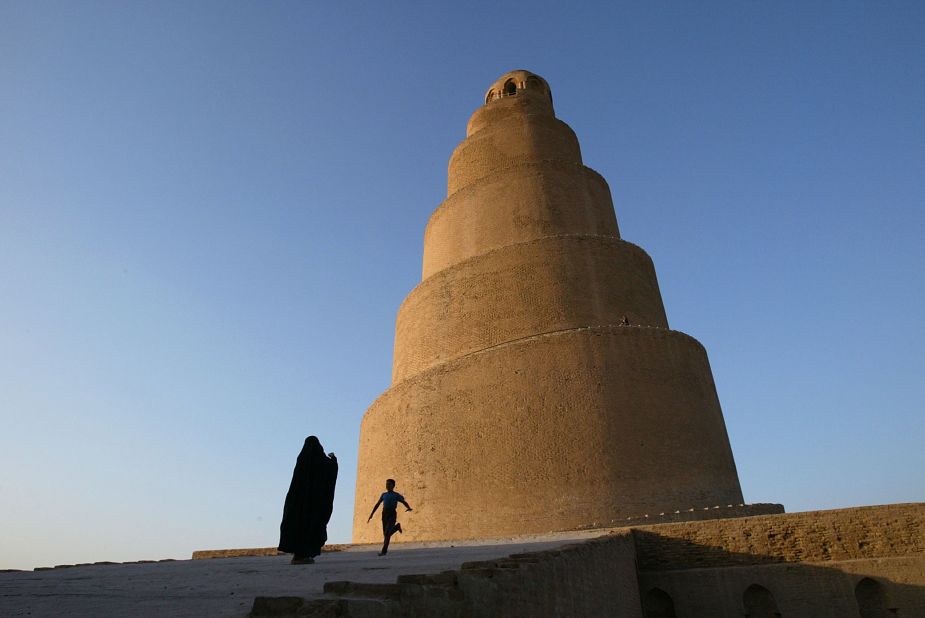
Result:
pixel 210 212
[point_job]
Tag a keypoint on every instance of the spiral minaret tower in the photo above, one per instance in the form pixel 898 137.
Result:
pixel 536 385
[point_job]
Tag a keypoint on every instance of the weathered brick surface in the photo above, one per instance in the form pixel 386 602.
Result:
pixel 811 563
pixel 801 590
pixel 541 286
pixel 540 198
pixel 594 578
pixel 519 138
pixel 578 429
pixel 816 536
pixel 516 381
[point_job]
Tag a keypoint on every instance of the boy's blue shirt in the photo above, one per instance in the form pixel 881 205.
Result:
pixel 390 500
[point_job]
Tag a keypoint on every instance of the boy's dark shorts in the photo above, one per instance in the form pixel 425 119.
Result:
pixel 388 521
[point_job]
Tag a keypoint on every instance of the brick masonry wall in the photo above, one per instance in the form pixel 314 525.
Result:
pixel 518 204
pixel 546 285
pixel 816 536
pixel 593 578
pixel 515 140
pixel 800 590
pixel 580 429
pixel 512 383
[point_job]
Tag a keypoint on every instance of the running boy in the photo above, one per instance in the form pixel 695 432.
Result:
pixel 389 501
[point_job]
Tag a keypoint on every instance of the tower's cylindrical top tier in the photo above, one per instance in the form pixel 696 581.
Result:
pixel 517 177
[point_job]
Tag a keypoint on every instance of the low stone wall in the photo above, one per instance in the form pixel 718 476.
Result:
pixel 803 564
pixel 815 536
pixel 707 512
pixel 205 554
pixel 799 590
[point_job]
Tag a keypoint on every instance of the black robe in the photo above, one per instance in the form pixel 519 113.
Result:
pixel 309 501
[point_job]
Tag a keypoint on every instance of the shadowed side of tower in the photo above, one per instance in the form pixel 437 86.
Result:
pixel 520 401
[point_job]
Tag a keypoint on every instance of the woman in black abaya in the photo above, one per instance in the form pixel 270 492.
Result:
pixel 309 503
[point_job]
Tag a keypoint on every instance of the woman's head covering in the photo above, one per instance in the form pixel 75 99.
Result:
pixel 311 449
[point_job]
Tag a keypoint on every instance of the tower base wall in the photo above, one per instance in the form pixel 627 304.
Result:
pixel 567 430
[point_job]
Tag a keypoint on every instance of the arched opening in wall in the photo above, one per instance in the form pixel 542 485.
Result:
pixel 490 96
pixel 658 604
pixel 759 602
pixel 871 598
pixel 510 88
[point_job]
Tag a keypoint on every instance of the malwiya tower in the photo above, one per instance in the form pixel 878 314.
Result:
pixel 536 385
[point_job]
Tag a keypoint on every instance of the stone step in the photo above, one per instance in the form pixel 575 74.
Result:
pixel 446 578
pixel 285 607
pixel 361 589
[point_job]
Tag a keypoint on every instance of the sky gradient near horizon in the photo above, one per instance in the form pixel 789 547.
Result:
pixel 210 213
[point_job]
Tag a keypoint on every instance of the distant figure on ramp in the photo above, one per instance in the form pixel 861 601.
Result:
pixel 309 503
pixel 389 501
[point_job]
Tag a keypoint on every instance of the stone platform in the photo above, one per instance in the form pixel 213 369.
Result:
pixel 228 586
pixel 867 561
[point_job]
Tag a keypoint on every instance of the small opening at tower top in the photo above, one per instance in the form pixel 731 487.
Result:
pixel 510 88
